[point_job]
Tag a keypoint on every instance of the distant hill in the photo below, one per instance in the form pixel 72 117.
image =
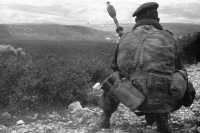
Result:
pixel 181 28
pixel 50 32
pixel 55 32
pixel 176 28
pixel 4 33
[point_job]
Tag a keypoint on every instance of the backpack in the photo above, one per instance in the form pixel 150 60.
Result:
pixel 146 49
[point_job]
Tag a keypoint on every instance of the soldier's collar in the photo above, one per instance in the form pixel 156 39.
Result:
pixel 152 22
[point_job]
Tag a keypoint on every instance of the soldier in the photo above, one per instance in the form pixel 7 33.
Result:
pixel 147 57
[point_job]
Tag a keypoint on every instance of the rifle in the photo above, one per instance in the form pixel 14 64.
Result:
pixel 112 12
pixel 108 82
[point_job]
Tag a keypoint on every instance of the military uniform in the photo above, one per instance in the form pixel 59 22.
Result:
pixel 155 109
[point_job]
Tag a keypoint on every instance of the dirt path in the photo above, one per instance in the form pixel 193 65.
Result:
pixel 186 120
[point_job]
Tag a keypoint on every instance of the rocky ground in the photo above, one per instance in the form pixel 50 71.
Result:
pixel 76 119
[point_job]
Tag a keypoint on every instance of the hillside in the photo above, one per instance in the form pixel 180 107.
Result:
pixel 176 28
pixel 50 32
pixel 64 33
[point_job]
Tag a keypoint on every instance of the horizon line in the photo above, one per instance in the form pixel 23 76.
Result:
pixel 86 24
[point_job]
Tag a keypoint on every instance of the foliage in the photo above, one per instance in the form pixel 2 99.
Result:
pixel 27 81
pixel 188 47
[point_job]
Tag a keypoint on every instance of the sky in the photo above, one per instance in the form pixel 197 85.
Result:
pixel 93 11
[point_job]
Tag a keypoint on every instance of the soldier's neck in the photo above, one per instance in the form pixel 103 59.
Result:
pixel 152 22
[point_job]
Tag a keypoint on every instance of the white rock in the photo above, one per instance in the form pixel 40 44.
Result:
pixel 97 86
pixel 20 122
pixel 75 106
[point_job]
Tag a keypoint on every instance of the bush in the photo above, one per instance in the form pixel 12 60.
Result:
pixel 188 47
pixel 27 83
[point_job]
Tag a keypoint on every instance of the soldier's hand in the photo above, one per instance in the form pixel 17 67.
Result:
pixel 119 29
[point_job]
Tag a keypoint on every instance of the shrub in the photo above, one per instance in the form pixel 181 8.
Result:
pixel 26 82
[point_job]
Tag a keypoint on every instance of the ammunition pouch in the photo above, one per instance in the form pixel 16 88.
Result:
pixel 124 91
pixel 181 89
pixel 128 94
pixel 178 84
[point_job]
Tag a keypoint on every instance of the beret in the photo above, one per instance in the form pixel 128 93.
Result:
pixel 145 6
